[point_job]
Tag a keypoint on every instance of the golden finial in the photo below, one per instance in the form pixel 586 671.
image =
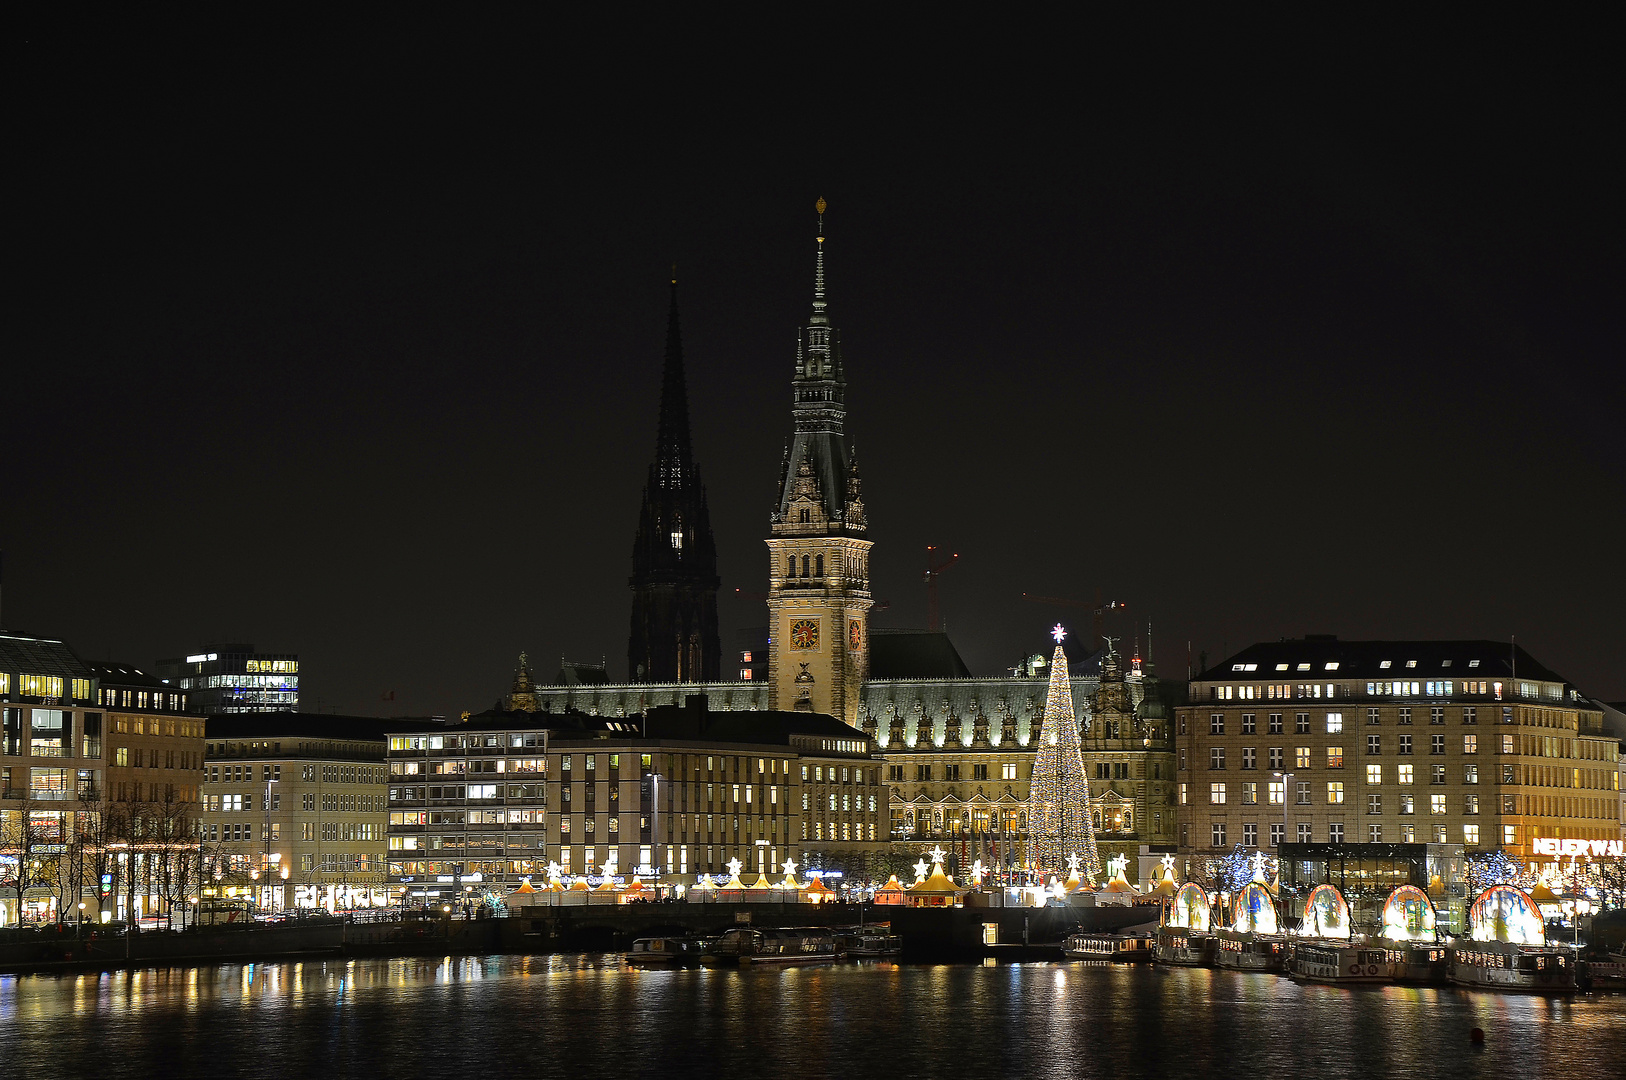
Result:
pixel 674 273
pixel 819 206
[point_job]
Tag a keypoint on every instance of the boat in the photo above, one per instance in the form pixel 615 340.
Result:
pixel 1184 939
pixel 793 945
pixel 1411 930
pixel 1340 962
pixel 1606 974
pixel 869 942
pixel 1252 942
pixel 1117 948
pixel 1328 953
pixel 1247 951
pixel 1506 947
pixel 666 952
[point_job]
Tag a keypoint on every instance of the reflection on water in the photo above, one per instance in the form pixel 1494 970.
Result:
pixel 562 1015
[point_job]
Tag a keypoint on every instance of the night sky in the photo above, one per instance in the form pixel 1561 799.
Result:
pixel 346 339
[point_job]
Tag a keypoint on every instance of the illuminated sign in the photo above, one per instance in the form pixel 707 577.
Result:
pixel 201 657
pixel 1600 848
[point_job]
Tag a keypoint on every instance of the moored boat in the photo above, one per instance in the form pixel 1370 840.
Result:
pixel 1411 931
pixel 869 942
pixel 1118 948
pixel 1184 939
pixel 1340 962
pixel 1243 950
pixel 749 945
pixel 1506 947
pixel 666 952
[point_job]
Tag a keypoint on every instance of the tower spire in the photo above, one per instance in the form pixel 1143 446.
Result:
pixel 674 456
pixel 820 318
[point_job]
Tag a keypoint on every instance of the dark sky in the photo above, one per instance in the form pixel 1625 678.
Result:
pixel 345 339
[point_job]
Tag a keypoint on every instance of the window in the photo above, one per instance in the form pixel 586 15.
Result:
pixel 1335 723
pixel 1304 832
pixel 1403 774
pixel 1335 757
pixel 1216 724
pixel 1250 793
pixel 1510 835
pixel 1007 771
pixel 1436 713
pixel 1216 758
pixel 1374 774
pixel 1408 834
pixel 1217 834
pixel 1405 744
pixel 1335 793
pixel 1436 744
pixel 1437 775
pixel 1250 833
pixel 1470 744
pixel 1182 759
pixel 1470 716
pixel 1301 723
pixel 1303 793
pixel 1439 834
pixel 1216 794
pixel 1248 725
pixel 1335 832
pixel 1301 757
pixel 1250 757
pixel 1185 794
pixel 1374 744
pixel 1374 834
pixel 1275 792
pixel 1182 723
pixel 1374 804
pixel 1275 723
pixel 1470 835
pixel 1276 758
pixel 1373 717
pixel 1507 744
pixel 1470 774
pixel 1276 830
pixel 1436 804
pixel 1405 714
pixel 1406 804
pixel 1470 804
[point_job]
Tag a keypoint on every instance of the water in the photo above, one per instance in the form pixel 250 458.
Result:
pixel 574 1016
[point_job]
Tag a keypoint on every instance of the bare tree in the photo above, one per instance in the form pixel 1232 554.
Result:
pixel 175 854
pixel 28 859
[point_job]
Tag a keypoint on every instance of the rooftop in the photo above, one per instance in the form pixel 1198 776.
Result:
pixel 1325 657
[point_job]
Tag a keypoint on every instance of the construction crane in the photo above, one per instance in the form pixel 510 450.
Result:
pixel 1098 611
pixel 935 570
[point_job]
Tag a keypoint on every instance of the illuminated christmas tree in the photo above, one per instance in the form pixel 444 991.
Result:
pixel 1059 797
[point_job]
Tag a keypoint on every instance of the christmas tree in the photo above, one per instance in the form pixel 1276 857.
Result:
pixel 1059 797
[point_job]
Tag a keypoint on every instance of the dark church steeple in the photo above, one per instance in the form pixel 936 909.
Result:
pixel 674 558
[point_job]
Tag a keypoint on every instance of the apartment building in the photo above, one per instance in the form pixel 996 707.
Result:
pixel 480 806
pixel 1317 740
pixel 295 810
pixel 99 773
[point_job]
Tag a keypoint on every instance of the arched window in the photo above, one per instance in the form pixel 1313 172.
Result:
pixel 804 566
pixel 818 566
pixel 790 567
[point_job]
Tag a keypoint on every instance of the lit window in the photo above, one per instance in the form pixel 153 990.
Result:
pixel 1374 774
pixel 1335 757
pixel 1276 792
pixel 1470 744
pixel 1335 792
pixel 1470 835
pixel 1404 774
pixel 1216 794
pixel 1301 757
pixel 1335 723
pixel 1436 804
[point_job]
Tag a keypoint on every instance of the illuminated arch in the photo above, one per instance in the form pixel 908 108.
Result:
pixel 1326 915
pixel 1191 907
pixel 1408 915
pixel 1505 913
pixel 1254 911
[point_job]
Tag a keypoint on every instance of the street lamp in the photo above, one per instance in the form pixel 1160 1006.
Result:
pixel 1287 780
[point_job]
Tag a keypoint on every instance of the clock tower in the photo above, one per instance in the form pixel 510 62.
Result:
pixel 818 557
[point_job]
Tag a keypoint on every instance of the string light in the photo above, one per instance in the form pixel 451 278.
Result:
pixel 1059 796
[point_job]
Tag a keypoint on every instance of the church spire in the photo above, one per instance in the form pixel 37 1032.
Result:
pixel 674 456
pixel 820 318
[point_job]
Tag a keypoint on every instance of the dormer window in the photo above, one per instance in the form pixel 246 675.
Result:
pixel 807 517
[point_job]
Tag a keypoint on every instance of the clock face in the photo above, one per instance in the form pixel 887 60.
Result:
pixel 855 635
pixel 804 634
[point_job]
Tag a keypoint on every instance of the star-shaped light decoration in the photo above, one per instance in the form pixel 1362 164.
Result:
pixel 920 871
pixel 1058 632
pixel 1072 863
pixel 937 854
pixel 1168 866
pixel 789 867
pixel 607 867
pixel 555 871
pixel 1117 865
pixel 734 867
pixel 977 870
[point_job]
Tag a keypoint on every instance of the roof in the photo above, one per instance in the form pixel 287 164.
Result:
pixel 1293 658
pixel 292 725
pixel 914 654
pixel 126 676
pixel 574 674
pixel 30 655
